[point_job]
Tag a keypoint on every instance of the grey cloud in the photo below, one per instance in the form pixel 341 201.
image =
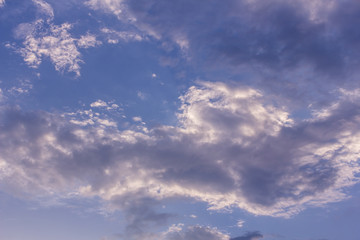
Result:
pixel 250 236
pixel 274 34
pixel 301 50
pixel 141 216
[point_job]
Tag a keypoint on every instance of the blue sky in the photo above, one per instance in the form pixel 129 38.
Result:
pixel 179 120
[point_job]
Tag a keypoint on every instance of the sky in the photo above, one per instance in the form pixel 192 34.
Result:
pixel 179 120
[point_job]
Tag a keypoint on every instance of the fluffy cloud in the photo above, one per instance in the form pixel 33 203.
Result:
pixel 2 3
pixel 57 44
pixel 230 149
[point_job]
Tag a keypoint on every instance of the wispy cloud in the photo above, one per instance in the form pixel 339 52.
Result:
pixel 114 36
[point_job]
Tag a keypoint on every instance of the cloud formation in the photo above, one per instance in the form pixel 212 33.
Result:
pixel 230 149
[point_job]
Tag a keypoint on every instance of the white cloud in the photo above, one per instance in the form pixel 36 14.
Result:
pixel 2 3
pixel 56 44
pixel 243 116
pixel 137 119
pixel 87 41
pixel 44 39
pixel 229 149
pixel 112 6
pixel 240 223
pixel 99 103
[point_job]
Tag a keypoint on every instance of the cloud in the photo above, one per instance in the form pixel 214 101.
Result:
pixel 45 8
pixel 106 105
pixel 140 215
pixel 87 41
pixel 240 223
pixel 99 103
pixel 23 87
pixel 231 148
pixel 137 119
pixel 2 3
pixel 1 95
pixel 58 45
pixel 275 42
pixel 114 36
pixel 176 232
pixel 44 39
pixel 111 6
pixel 272 34
pixel 249 236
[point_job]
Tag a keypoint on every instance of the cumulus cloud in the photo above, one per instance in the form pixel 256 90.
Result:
pixel 230 149
pixel 2 3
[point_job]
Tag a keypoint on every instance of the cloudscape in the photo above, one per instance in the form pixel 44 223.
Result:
pixel 179 120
